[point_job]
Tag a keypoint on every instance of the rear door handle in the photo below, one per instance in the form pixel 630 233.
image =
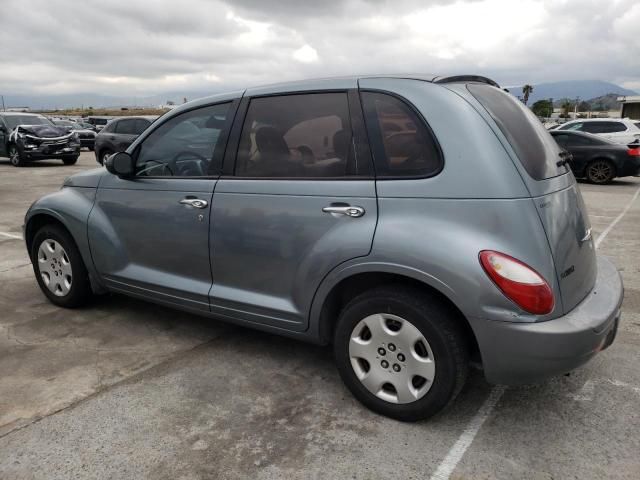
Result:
pixel 348 210
pixel 194 202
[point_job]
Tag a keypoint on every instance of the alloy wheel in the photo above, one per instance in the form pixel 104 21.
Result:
pixel 600 172
pixel 14 156
pixel 54 267
pixel 392 358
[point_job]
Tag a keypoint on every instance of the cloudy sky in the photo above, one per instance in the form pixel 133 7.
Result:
pixel 130 47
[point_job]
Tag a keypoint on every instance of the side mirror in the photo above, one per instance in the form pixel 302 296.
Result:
pixel 120 164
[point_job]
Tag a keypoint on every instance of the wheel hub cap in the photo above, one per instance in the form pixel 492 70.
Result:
pixel 54 267
pixel 391 358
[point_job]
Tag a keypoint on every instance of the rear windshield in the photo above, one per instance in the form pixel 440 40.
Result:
pixel 538 152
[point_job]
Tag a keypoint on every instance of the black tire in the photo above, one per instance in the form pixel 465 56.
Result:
pixel 16 159
pixel 435 321
pixel 80 290
pixel 70 161
pixel 600 171
pixel 104 154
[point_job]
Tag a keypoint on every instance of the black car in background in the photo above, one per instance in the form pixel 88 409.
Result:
pixel 26 137
pixel 118 134
pixel 86 135
pixel 598 159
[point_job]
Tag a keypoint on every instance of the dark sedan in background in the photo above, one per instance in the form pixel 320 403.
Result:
pixel 86 135
pixel 118 134
pixel 598 159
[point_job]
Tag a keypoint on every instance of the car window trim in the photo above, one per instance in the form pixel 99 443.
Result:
pixel 356 118
pixel 425 124
pixel 223 139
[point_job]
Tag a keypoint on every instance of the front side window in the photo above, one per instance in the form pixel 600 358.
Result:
pixel 576 126
pixel 185 145
pixel 297 136
pixel 402 145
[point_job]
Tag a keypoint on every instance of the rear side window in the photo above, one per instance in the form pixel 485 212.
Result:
pixel 402 145
pixel 604 127
pixel 127 127
pixel 297 136
pixel 141 125
pixel 536 149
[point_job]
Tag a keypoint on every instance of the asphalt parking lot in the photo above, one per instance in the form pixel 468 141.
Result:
pixel 125 389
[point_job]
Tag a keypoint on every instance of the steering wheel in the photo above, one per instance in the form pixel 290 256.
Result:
pixel 172 165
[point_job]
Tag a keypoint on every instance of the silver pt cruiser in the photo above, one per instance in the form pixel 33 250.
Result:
pixel 414 222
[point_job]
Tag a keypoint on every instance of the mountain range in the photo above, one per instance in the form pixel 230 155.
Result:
pixel 585 89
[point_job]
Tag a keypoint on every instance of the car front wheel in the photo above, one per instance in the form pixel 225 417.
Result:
pixel 58 267
pixel 401 352
pixel 14 156
pixel 103 155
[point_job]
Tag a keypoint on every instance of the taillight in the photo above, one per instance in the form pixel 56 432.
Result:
pixel 519 282
pixel 634 152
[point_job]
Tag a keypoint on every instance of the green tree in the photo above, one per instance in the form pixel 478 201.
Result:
pixel 542 108
pixel 566 106
pixel 584 106
pixel 526 91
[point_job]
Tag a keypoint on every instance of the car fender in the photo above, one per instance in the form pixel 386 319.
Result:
pixel 366 265
pixel 70 207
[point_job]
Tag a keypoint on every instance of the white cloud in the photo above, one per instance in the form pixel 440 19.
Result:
pixel 305 54
pixel 122 47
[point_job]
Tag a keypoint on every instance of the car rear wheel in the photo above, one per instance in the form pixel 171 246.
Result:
pixel 70 161
pixel 401 352
pixel 103 155
pixel 14 156
pixel 58 266
pixel 600 171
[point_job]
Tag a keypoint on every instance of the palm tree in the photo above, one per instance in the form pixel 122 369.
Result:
pixel 526 91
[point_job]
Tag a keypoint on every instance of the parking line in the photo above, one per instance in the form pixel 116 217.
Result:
pixel 448 465
pixel 606 231
pixel 450 462
pixel 11 235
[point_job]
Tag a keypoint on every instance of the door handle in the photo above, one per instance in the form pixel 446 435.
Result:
pixel 349 210
pixel 194 202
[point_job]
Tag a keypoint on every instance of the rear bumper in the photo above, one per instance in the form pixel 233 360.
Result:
pixel 521 353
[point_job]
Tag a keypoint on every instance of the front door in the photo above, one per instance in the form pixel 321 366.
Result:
pixel 149 234
pixel 298 201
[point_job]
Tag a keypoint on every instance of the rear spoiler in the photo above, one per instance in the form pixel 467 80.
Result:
pixel 465 78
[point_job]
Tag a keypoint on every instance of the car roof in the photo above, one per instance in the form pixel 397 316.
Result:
pixel 555 133
pixel 20 114
pixel 582 120
pixel 326 83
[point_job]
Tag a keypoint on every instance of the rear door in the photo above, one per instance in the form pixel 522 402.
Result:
pixel 554 191
pixel 297 199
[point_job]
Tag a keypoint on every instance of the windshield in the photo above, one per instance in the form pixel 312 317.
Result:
pixel 14 120
pixel 65 123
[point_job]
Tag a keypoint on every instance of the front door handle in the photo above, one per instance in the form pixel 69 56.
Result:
pixel 194 202
pixel 348 210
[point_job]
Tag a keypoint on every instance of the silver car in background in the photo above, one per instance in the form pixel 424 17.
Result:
pixel 350 211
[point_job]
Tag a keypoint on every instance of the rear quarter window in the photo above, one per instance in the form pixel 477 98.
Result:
pixel 535 147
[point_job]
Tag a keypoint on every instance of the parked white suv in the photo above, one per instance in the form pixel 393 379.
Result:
pixel 619 130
